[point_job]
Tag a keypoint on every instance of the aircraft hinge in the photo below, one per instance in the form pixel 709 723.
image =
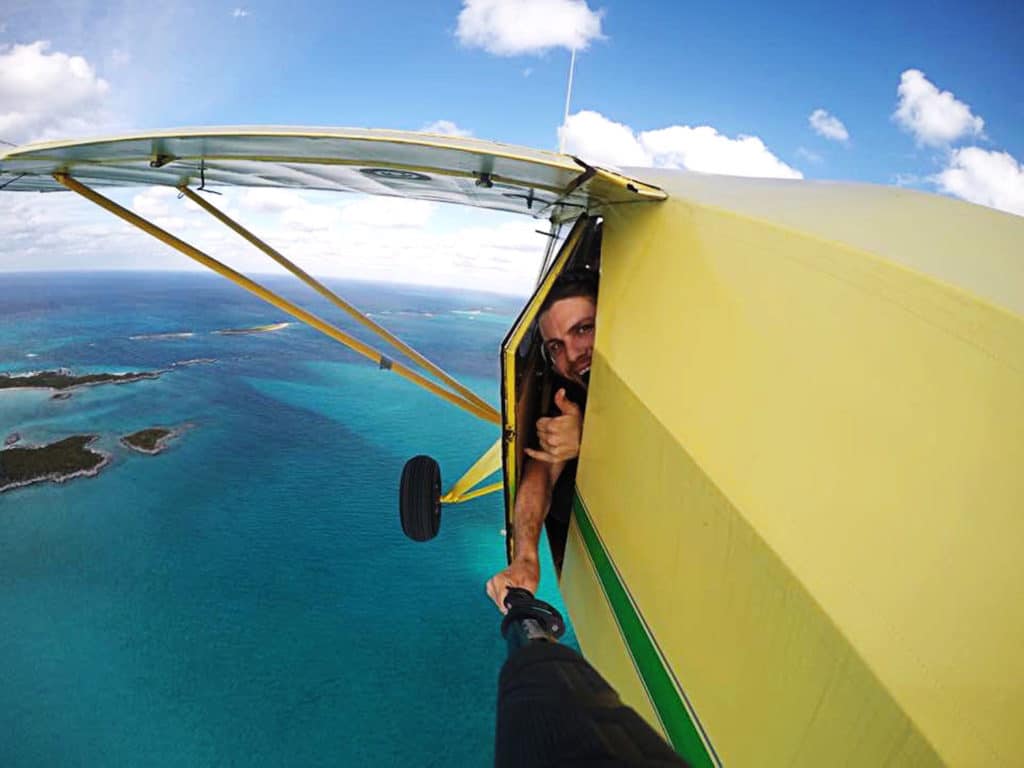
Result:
pixel 159 161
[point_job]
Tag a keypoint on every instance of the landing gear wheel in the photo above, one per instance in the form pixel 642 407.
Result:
pixel 419 498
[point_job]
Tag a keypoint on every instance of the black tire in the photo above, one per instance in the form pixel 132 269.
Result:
pixel 419 498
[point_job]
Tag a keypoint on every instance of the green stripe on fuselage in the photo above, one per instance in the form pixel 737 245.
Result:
pixel 682 730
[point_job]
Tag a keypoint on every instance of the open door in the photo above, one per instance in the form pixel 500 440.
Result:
pixel 525 377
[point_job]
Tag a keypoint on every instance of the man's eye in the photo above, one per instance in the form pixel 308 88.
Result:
pixel 585 329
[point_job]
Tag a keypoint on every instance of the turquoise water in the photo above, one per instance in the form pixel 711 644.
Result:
pixel 246 597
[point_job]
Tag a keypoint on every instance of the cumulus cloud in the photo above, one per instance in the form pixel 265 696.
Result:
pixel 445 128
pixel 596 139
pixel 269 200
pixel 991 178
pixel 44 94
pixel 518 27
pixel 387 212
pixel 309 218
pixel 364 238
pixel 829 126
pixel 62 231
pixel 932 116
pixel 154 202
pixel 410 241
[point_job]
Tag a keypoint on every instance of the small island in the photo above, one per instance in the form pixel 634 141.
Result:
pixel 269 328
pixel 150 441
pixel 63 379
pixel 55 462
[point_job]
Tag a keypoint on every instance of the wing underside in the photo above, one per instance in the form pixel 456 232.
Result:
pixel 412 165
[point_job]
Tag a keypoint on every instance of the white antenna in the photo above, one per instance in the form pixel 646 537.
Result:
pixel 568 98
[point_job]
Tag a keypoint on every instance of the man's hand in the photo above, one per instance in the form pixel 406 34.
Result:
pixel 559 435
pixel 523 572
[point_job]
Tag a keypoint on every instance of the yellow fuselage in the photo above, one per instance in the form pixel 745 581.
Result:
pixel 802 459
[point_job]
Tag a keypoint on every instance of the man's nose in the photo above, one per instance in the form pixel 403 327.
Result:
pixel 575 349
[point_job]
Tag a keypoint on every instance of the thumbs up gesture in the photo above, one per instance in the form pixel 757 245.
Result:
pixel 559 436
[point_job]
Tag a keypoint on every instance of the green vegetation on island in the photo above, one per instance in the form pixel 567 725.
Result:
pixel 56 462
pixel 152 440
pixel 64 379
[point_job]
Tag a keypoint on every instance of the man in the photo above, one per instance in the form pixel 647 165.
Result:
pixel 566 323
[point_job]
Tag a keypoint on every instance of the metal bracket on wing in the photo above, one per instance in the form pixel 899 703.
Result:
pixel 619 189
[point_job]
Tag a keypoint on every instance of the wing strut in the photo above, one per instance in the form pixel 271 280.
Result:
pixel 320 288
pixel 486 465
pixel 480 409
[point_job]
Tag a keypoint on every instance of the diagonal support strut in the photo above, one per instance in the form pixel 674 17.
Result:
pixel 487 413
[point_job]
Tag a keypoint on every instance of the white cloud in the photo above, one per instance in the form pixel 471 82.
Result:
pixel 239 13
pixel 388 212
pixel 445 128
pixel 907 179
pixel 408 241
pixel 934 117
pixel 809 156
pixel 62 231
pixel 829 126
pixel 269 200
pixel 154 202
pixel 45 95
pixel 170 223
pixel 596 139
pixel 310 218
pixel 517 27
pixel 704 149
pixel 995 179
pixel 364 238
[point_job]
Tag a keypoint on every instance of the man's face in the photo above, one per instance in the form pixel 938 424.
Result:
pixel 567 329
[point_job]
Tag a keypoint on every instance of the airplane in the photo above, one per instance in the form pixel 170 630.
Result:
pixel 799 500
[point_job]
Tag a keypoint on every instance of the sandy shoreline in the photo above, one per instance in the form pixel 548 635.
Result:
pixel 269 328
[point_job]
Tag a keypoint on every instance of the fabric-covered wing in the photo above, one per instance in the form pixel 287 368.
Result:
pixel 414 165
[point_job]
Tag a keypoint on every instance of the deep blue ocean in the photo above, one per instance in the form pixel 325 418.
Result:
pixel 246 597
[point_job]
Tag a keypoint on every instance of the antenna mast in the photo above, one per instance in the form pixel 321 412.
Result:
pixel 568 98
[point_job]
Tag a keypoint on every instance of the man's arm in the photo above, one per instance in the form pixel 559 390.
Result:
pixel 532 501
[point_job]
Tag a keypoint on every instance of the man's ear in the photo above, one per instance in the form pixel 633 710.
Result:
pixel 544 355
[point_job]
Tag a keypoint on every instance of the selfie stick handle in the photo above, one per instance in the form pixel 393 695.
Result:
pixel 555 709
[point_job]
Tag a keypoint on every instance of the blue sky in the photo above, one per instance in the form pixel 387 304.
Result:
pixel 658 83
